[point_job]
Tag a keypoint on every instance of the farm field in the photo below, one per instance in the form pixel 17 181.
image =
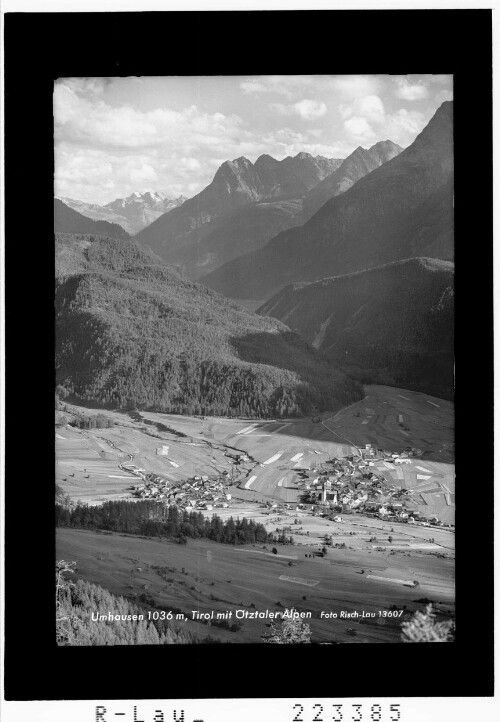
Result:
pixel 277 450
pixel 205 576
pixel 224 578
pixel 393 418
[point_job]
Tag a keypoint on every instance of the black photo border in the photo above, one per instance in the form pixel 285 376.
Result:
pixel 40 47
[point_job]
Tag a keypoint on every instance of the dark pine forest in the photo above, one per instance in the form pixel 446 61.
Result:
pixel 131 333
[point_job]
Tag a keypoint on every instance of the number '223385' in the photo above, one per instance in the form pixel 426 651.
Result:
pixel 349 713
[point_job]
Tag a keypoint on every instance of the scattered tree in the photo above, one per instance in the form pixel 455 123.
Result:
pixel 289 631
pixel 423 627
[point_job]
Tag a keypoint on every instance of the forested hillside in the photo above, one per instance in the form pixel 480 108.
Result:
pixel 390 325
pixel 132 333
pixel 77 602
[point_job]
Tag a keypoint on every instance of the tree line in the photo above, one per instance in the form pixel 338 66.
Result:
pixel 148 518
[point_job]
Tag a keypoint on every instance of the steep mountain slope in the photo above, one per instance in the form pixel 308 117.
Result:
pixel 391 325
pixel 130 332
pixel 234 234
pixel 66 220
pixel 355 166
pixel 402 209
pixel 249 228
pixel 237 183
pixel 132 213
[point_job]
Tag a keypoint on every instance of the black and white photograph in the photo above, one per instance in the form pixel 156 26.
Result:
pixel 247 408
pixel 255 359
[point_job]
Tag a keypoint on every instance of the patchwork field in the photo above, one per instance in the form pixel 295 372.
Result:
pixel 367 574
pixel 205 576
pixel 393 418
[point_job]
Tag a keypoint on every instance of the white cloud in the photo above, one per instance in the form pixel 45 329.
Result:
pixel 80 119
pixel 109 143
pixel 360 128
pixel 444 95
pixel 356 86
pixel 254 86
pixel 366 120
pixel 440 79
pixel 285 85
pixel 190 164
pixel 362 115
pixel 306 109
pixel 370 107
pixel 347 86
pixel 408 91
pixel 404 125
pixel 143 174
pixel 310 109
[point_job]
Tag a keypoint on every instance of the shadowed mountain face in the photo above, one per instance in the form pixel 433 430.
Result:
pixel 132 333
pixel 177 237
pixel 356 166
pixel 390 325
pixel 250 226
pixel 66 220
pixel 403 209
pixel 234 234
pixel 132 213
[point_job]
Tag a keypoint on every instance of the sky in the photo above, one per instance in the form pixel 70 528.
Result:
pixel 114 136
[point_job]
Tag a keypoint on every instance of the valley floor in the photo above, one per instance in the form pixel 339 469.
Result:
pixel 220 577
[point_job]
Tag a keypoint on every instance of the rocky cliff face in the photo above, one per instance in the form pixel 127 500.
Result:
pixel 237 183
pixel 403 209
pixel 250 227
pixel 355 166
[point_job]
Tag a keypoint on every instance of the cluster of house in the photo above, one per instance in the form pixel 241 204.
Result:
pixel 352 483
pixel 197 493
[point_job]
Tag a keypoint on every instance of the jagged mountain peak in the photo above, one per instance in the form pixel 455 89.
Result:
pixel 438 133
pixel 386 144
pixel 363 214
pixel 266 159
pixel 240 162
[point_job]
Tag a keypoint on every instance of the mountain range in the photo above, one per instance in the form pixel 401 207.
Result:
pixel 300 184
pixel 179 237
pixel 67 220
pixel 402 209
pixel 132 213
pixel 390 325
pixel 131 333
pixel 354 255
pixel 361 162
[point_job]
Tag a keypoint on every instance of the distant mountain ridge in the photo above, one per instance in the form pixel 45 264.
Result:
pixel 132 213
pixel 391 325
pixel 237 183
pixel 67 220
pixel 402 209
pixel 250 226
pixel 361 162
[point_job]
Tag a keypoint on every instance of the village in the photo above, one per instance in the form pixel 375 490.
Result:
pixel 334 487
pixel 355 484
pixel 198 493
